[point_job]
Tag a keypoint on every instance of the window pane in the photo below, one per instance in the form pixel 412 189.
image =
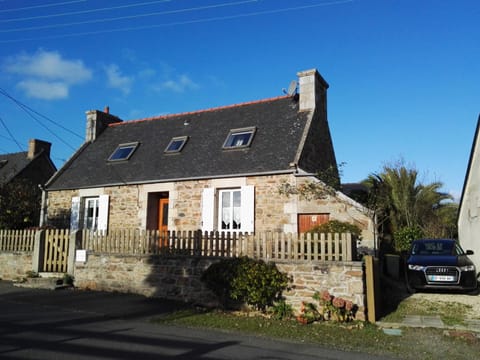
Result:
pixel 237 197
pixel 175 145
pixel 226 199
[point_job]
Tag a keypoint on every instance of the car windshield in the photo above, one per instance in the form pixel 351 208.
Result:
pixel 436 248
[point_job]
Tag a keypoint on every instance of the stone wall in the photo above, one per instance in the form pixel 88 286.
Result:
pixel 15 265
pixel 178 278
pixel 341 279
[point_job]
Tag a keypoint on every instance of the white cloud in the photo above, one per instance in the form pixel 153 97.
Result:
pixel 181 84
pixel 116 80
pixel 47 71
pixel 44 89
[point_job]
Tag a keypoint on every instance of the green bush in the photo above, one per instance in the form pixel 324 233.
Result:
pixel 335 226
pixel 281 310
pixel 253 282
pixel 403 237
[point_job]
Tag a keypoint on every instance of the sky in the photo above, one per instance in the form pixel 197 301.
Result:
pixel 404 75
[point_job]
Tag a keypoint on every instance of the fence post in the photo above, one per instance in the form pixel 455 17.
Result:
pixel 74 242
pixel 38 251
pixel 372 285
pixel 197 242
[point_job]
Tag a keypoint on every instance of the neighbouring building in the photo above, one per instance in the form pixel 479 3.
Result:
pixel 469 210
pixel 29 170
pixel 231 168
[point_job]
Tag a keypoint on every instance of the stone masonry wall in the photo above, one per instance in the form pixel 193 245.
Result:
pixel 15 265
pixel 186 205
pixel 124 207
pixel 270 212
pixel 59 204
pixel 273 211
pixel 178 278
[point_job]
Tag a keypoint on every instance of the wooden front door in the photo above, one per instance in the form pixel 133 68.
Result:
pixel 163 215
pixel 308 221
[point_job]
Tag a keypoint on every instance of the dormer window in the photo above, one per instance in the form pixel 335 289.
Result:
pixel 239 138
pixel 123 152
pixel 176 144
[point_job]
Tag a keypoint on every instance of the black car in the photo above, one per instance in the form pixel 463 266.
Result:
pixel 439 264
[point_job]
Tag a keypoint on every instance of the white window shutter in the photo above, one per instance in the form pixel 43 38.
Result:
pixel 248 209
pixel 103 212
pixel 75 213
pixel 208 209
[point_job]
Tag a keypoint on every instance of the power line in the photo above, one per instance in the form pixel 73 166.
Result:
pixel 89 11
pixel 5 137
pixel 128 17
pixel 11 135
pixel 30 113
pixel 186 22
pixel 41 6
pixel 19 103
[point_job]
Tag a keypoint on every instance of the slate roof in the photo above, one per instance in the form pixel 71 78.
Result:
pixel 11 165
pixel 279 129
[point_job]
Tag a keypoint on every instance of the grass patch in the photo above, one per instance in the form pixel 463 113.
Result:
pixel 357 336
pixel 451 313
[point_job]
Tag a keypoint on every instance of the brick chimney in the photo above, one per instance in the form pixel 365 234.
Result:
pixel 312 90
pixel 36 146
pixel 97 121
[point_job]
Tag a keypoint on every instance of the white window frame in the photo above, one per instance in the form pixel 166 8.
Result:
pixel 229 214
pixel 211 209
pixel 78 217
pixel 90 205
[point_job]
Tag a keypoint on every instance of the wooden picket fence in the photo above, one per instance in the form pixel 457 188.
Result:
pixel 267 245
pixel 17 240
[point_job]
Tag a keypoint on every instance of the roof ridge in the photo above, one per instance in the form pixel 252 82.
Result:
pixel 161 117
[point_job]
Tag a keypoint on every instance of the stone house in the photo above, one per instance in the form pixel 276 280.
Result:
pixel 469 208
pixel 220 169
pixel 31 168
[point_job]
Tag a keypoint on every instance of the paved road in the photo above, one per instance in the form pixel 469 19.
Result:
pixel 68 324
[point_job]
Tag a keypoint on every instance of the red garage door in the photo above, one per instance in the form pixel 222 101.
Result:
pixel 308 221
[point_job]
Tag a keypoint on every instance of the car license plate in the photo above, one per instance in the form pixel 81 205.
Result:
pixel 440 278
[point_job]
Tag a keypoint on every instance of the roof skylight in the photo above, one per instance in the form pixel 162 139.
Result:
pixel 123 152
pixel 239 138
pixel 176 144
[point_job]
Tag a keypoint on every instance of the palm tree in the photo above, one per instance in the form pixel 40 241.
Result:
pixel 401 201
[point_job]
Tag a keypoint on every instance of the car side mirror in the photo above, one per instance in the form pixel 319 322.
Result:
pixel 469 252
